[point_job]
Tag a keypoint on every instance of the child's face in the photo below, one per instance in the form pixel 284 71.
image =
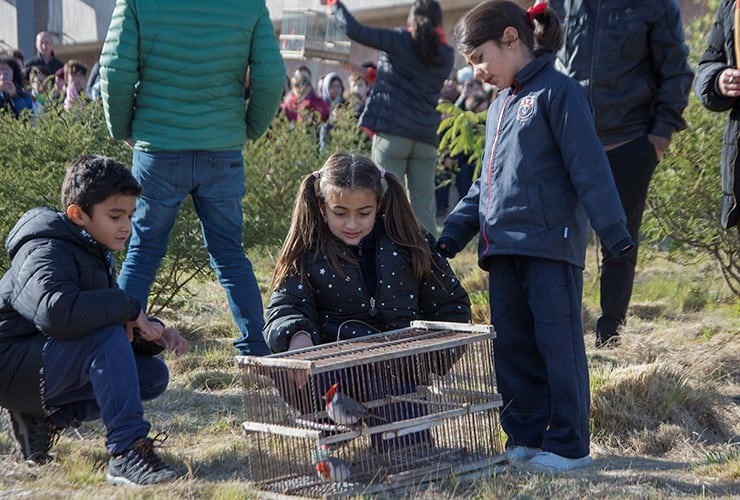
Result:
pixel 335 89
pixel 110 221
pixel 78 81
pixel 358 87
pixel 350 214
pixel 494 63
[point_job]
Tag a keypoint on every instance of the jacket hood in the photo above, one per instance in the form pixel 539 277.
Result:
pixel 41 223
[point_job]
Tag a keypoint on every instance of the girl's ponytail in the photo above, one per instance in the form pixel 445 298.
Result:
pixel 548 33
pixel 402 226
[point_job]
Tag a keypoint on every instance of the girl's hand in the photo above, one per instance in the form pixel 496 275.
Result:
pixel 300 340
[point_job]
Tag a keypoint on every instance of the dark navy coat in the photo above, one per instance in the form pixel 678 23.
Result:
pixel 544 175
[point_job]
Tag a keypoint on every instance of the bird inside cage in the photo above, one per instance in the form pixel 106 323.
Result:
pixel 378 388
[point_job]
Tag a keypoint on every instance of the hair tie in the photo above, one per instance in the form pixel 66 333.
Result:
pixel 535 11
pixel 382 172
pixel 316 174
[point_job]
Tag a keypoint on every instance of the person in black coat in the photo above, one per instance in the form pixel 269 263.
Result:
pixel 73 346
pixel 717 84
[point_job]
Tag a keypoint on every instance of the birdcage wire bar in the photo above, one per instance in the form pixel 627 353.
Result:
pixel 431 391
pixel 311 34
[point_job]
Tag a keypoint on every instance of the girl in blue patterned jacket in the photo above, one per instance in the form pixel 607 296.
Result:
pixel 544 176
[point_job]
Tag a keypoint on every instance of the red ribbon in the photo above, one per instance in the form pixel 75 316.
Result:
pixel 535 11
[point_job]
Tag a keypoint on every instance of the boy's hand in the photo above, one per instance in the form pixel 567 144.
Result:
pixel 150 330
pixel 172 341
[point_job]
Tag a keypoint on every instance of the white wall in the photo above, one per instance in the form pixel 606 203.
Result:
pixel 86 20
pixel 8 29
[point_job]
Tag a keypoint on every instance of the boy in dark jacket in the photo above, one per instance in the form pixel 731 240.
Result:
pixel 73 346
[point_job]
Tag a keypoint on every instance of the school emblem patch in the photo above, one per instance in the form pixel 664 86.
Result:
pixel 527 107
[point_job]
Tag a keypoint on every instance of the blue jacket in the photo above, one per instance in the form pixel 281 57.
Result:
pixel 403 99
pixel 544 170
pixel 20 101
pixel 630 56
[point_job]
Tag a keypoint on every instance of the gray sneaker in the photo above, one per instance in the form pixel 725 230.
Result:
pixel 35 436
pixel 547 461
pixel 139 465
pixel 519 454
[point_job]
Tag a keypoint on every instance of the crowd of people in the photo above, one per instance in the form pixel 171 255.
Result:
pixel 43 81
pixel 574 131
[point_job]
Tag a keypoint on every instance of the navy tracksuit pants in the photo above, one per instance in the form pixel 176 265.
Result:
pixel 100 376
pixel 540 356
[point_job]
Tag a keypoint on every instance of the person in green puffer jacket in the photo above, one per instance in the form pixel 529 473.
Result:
pixel 172 84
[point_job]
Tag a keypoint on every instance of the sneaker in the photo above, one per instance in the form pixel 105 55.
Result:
pixel 139 465
pixel 548 461
pixel 518 454
pixel 35 436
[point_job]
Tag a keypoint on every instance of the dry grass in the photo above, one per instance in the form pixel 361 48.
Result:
pixel 665 408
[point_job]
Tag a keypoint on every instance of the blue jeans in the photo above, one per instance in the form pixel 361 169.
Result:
pixel 100 376
pixel 215 181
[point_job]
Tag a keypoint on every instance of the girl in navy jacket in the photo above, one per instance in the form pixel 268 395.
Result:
pixel 544 176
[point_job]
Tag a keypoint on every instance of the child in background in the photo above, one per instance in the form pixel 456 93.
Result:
pixel 73 346
pixel 544 176
pixel 13 97
pixel 75 79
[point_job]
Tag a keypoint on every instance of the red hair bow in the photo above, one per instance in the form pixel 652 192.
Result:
pixel 535 11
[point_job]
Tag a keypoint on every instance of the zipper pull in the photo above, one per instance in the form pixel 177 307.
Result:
pixel 372 311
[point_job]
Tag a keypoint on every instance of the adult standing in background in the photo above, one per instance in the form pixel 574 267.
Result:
pixel 401 108
pixel 631 58
pixel 172 85
pixel 44 57
pixel 717 84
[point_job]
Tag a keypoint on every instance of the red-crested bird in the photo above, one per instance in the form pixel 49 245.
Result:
pixel 333 469
pixel 344 410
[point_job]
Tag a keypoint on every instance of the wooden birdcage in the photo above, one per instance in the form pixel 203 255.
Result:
pixel 310 34
pixel 431 390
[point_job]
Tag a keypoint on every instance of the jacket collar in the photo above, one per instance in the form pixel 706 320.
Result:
pixel 541 61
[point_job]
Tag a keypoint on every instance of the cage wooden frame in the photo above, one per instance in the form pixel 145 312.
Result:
pixel 448 422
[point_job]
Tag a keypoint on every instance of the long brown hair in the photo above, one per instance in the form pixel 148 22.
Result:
pixel 488 20
pixel 309 233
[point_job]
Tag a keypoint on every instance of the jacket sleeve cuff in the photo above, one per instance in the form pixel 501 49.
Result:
pixel 280 340
pixel 616 237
